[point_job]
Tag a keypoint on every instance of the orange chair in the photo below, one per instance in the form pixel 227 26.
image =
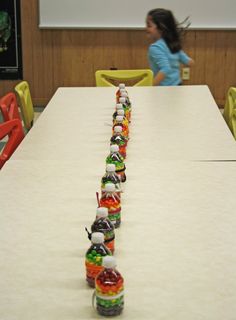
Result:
pixel 14 130
pixel 9 107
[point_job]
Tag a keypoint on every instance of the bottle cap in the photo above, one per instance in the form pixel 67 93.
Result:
pixel 124 94
pixel 102 212
pixel 121 86
pixel 109 262
pixel 119 106
pixel 122 100
pixel 120 112
pixel 110 167
pixel 97 237
pixel 119 118
pixel 110 187
pixel 117 129
pixel 114 148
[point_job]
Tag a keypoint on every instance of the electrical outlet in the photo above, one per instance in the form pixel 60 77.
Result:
pixel 186 73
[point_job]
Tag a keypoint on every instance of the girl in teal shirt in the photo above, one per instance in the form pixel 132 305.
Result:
pixel 165 53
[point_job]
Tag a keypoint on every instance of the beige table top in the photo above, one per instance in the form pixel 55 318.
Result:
pixel 175 247
pixel 176 244
pixel 175 123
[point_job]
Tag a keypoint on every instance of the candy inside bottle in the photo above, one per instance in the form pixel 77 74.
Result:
pixel 104 225
pixel 111 201
pixel 111 177
pixel 116 158
pixel 109 289
pixel 94 256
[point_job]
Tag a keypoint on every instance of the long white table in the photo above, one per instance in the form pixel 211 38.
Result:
pixel 173 123
pixel 176 244
pixel 175 247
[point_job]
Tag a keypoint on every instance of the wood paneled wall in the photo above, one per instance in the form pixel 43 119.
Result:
pixel 53 58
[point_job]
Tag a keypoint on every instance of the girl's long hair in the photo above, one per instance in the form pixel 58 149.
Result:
pixel 172 31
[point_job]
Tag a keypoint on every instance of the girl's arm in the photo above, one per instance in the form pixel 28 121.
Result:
pixel 190 62
pixel 160 76
pixel 185 59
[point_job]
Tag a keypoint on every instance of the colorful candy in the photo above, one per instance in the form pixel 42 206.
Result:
pixel 111 177
pixel 119 139
pixel 116 158
pixel 94 257
pixel 109 289
pixel 122 122
pixel 104 225
pixel 111 201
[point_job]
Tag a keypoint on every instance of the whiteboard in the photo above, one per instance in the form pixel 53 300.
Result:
pixel 128 14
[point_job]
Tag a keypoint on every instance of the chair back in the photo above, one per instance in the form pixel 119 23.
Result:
pixel 9 107
pixel 14 130
pixel 106 78
pixel 230 106
pixel 26 105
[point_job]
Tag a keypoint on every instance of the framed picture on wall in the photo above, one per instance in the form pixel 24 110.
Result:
pixel 10 40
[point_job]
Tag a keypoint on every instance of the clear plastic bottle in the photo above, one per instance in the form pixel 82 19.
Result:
pixel 118 107
pixel 119 139
pixel 118 92
pixel 111 177
pixel 104 225
pixel 111 201
pixel 126 107
pixel 116 158
pixel 109 291
pixel 121 112
pixel 94 256
pixel 121 121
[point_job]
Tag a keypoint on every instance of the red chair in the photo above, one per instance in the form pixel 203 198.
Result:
pixel 9 107
pixel 14 130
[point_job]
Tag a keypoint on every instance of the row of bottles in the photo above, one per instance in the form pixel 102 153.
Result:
pixel 99 260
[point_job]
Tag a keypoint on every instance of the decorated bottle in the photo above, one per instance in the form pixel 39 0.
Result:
pixel 109 290
pixel 118 107
pixel 124 93
pixel 116 158
pixel 121 121
pixel 126 107
pixel 111 201
pixel 121 112
pixel 111 177
pixel 104 225
pixel 118 92
pixel 119 139
pixel 94 256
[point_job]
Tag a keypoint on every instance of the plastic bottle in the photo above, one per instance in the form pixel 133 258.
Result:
pixel 116 158
pixel 121 112
pixel 111 177
pixel 104 225
pixel 111 201
pixel 119 139
pixel 109 291
pixel 94 257
pixel 118 92
pixel 118 107
pixel 124 94
pixel 121 121
pixel 126 107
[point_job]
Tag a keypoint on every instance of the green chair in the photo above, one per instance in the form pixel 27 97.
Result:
pixel 230 107
pixel 25 102
pixel 142 77
pixel 233 122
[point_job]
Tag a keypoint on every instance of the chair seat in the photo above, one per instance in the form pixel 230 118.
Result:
pixel 26 105
pixel 14 130
pixel 230 107
pixel 141 77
